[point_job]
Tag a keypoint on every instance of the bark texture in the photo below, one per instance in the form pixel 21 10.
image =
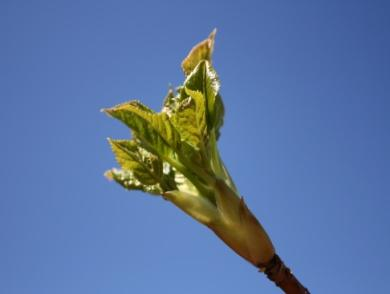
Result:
pixel 282 276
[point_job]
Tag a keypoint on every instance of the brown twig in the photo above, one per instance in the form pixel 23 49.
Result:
pixel 282 276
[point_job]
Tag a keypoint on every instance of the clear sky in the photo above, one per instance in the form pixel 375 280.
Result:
pixel 307 139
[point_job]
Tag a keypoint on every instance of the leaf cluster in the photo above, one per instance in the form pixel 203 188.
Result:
pixel 174 153
pixel 176 147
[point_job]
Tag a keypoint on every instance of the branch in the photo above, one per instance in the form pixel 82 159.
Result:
pixel 282 276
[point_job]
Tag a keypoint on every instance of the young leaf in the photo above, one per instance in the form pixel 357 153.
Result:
pixel 201 51
pixel 153 129
pixel 127 180
pixel 190 121
pixel 170 102
pixel 146 167
pixel 203 81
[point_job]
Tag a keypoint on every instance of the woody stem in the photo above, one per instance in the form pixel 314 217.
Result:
pixel 282 276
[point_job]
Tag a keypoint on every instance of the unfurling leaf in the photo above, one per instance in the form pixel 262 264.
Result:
pixel 204 81
pixel 190 121
pixel 202 51
pixel 174 153
pixel 147 167
pixel 153 129
pixel 127 179
pixel 140 167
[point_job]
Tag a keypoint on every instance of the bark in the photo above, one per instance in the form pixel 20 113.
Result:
pixel 282 276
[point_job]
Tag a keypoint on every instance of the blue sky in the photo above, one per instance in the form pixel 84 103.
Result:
pixel 306 138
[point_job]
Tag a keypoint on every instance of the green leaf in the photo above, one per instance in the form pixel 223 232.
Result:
pixel 190 121
pixel 203 81
pixel 170 102
pixel 127 180
pixel 201 51
pixel 219 112
pixel 146 167
pixel 153 129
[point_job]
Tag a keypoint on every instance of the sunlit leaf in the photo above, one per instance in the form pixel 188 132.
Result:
pixel 153 129
pixel 205 81
pixel 190 120
pixel 127 180
pixel 146 167
pixel 201 51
